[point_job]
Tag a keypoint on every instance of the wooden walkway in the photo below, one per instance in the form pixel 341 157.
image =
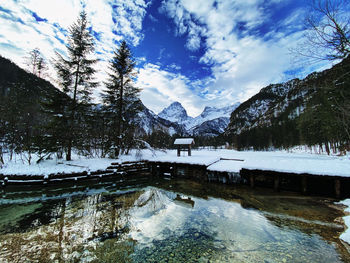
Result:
pixel 334 186
pixel 112 171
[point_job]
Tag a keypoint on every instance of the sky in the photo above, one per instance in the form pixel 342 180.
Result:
pixel 198 52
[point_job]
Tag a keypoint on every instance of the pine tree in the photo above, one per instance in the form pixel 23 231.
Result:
pixel 76 74
pixel 54 137
pixel 121 97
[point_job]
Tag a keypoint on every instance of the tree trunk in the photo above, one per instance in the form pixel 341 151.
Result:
pixel 327 148
pixel 120 118
pixel 1 157
pixel 72 117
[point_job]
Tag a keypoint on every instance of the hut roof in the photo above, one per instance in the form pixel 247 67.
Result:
pixel 184 141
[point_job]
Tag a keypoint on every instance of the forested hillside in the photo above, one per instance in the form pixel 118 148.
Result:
pixel 34 120
pixel 22 95
pixel 312 111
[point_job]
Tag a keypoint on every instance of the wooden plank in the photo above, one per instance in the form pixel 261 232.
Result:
pixel 24 177
pixel 229 159
pixel 252 180
pixel 276 182
pixel 337 187
pixel 304 184
pixel 23 182
pixel 72 175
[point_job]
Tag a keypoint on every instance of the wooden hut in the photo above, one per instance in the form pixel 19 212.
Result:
pixel 184 144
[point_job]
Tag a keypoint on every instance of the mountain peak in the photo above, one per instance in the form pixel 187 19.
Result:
pixel 175 104
pixel 175 112
pixel 207 110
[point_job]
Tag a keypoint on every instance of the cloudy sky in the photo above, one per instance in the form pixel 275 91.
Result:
pixel 198 52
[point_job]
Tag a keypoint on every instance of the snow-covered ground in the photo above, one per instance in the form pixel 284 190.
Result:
pixel 279 161
pixel 345 236
pixel 53 166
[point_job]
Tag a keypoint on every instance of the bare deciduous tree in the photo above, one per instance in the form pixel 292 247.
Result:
pixel 327 38
pixel 36 63
pixel 327 34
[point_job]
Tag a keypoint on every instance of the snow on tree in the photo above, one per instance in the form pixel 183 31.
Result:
pixel 75 74
pixel 121 97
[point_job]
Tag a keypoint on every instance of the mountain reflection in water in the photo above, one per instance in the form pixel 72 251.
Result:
pixel 167 221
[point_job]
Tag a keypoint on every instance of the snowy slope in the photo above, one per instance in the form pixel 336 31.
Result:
pixel 212 113
pixel 210 128
pixel 276 103
pixel 269 103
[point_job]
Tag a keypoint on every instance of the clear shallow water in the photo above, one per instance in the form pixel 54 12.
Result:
pixel 168 221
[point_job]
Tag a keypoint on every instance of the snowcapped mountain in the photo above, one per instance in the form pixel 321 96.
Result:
pixel 174 120
pixel 211 122
pixel 296 112
pixel 210 128
pixel 275 103
pixel 212 113
pixel 175 113
pixel 147 122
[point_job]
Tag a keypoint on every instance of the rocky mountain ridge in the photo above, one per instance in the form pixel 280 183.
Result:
pixel 300 111
pixel 211 122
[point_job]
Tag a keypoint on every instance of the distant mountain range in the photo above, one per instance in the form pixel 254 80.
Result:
pixel 148 122
pixel 174 119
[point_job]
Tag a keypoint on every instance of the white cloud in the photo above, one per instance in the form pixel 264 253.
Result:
pixel 111 20
pixel 194 38
pixel 161 87
pixel 129 16
pixel 242 62
pixel 174 66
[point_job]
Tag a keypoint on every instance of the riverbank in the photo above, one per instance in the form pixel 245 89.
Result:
pixel 278 161
pixel 79 164
pixel 345 236
pixel 231 161
pixel 215 160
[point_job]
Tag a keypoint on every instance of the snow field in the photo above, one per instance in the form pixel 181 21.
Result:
pixel 278 161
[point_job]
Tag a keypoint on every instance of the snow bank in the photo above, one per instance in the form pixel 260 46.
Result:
pixel 232 166
pixel 346 235
pixel 54 166
pixel 279 161
pixel 199 158
pixel 274 161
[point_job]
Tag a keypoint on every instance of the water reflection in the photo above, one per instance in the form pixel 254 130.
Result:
pixel 167 221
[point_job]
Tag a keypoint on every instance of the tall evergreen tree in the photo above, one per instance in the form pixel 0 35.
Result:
pixel 121 96
pixel 75 74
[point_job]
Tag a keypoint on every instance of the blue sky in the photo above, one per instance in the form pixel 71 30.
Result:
pixel 198 52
